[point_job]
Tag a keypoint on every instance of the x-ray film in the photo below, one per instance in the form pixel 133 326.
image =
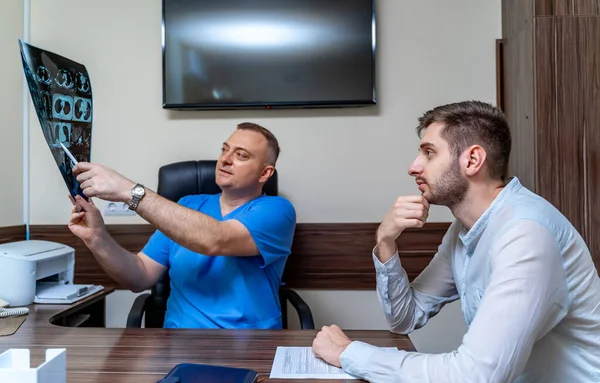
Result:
pixel 62 96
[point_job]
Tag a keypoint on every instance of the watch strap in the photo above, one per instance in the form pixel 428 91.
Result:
pixel 135 198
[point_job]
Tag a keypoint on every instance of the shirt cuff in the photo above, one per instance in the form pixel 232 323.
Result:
pixel 391 266
pixel 355 358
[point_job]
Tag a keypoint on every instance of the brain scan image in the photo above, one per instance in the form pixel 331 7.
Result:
pixel 61 93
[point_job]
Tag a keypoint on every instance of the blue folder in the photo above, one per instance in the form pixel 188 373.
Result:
pixel 202 373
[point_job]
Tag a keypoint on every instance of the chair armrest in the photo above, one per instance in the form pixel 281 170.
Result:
pixel 306 318
pixel 134 319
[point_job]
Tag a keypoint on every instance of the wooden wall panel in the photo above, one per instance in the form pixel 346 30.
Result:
pixel 566 7
pixel 548 181
pixel 12 233
pixel 516 16
pixel 568 171
pixel 499 74
pixel 565 46
pixel 518 99
pixel 570 115
pixel 338 256
pixel 553 7
pixel 588 30
pixel 324 256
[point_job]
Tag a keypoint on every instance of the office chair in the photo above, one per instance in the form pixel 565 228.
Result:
pixel 198 177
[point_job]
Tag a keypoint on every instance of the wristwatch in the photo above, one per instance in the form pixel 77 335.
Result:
pixel 137 192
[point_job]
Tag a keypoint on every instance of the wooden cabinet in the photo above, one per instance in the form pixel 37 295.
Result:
pixel 551 96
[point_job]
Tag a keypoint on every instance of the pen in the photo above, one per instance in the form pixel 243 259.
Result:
pixel 73 160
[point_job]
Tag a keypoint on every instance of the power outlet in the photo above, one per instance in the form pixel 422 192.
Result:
pixel 117 208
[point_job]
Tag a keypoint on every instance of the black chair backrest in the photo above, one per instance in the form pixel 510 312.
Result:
pixel 175 181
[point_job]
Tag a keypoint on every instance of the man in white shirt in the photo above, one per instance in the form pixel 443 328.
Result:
pixel 529 290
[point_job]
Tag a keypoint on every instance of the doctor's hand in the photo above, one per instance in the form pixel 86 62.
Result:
pixel 330 343
pixel 87 224
pixel 103 182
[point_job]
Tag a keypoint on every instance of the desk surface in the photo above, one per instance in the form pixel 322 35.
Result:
pixel 122 355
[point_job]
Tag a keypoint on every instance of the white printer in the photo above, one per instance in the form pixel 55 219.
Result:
pixel 41 272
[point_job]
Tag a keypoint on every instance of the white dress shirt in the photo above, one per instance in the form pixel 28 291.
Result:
pixel 529 293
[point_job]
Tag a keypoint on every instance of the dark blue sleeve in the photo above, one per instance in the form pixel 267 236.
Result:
pixel 159 245
pixel 271 222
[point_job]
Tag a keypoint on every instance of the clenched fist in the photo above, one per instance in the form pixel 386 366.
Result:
pixel 408 211
pixel 330 343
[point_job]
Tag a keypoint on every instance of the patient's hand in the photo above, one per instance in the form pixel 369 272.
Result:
pixel 407 212
pixel 103 182
pixel 330 343
pixel 86 221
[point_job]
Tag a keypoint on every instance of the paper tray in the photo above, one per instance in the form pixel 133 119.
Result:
pixel 64 293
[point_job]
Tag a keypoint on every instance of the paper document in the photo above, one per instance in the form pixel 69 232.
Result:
pixel 301 363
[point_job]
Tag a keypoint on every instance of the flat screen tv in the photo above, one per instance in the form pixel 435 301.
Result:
pixel 235 54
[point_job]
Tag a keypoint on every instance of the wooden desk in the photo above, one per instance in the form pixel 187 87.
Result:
pixel 119 355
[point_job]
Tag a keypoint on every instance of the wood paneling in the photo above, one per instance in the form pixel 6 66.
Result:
pixel 547 182
pixel 518 97
pixel 12 233
pixel 148 354
pixel 338 256
pixel 499 74
pixel 561 175
pixel 590 27
pixel 568 109
pixel 556 153
pixel 516 16
pixel 568 159
pixel 566 7
pixel 324 256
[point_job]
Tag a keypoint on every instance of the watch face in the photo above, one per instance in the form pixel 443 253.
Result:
pixel 138 190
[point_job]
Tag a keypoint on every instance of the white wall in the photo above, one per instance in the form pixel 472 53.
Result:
pixel 11 115
pixel 429 52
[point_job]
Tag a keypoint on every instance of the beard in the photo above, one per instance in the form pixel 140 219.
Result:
pixel 450 189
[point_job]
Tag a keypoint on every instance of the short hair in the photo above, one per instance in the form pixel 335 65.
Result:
pixel 469 123
pixel 272 143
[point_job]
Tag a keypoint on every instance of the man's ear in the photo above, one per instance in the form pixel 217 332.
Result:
pixel 267 172
pixel 474 159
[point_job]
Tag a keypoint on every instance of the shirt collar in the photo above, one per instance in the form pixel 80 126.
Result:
pixel 471 237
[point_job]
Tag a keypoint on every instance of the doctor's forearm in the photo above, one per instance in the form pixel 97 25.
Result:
pixel 120 264
pixel 191 229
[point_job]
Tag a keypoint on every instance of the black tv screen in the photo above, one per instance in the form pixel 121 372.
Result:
pixel 268 53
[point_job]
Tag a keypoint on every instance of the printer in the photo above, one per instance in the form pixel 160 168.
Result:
pixel 41 272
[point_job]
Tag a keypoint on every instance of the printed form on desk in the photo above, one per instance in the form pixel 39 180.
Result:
pixel 301 363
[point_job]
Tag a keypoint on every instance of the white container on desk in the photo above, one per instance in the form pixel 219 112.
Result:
pixel 15 367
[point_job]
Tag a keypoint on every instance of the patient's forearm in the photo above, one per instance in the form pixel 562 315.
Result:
pixel 120 264
pixel 385 250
